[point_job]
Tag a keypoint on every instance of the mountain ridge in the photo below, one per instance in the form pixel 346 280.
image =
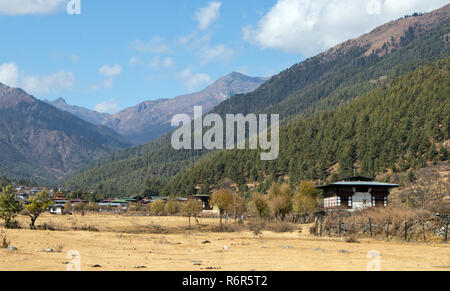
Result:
pixel 88 115
pixel 40 141
pixel 151 119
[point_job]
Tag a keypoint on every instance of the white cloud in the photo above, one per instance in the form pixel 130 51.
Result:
pixel 207 15
pixel 311 26
pixel 110 106
pixel 108 83
pixel 135 61
pixel 30 7
pixel 374 7
pixel 201 45
pixel 156 62
pixel 168 62
pixel 155 45
pixel 35 84
pixel 53 83
pixel 193 81
pixel 186 38
pixel 110 71
pixel 216 53
pixel 9 74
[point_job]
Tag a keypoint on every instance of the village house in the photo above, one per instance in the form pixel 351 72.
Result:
pixel 356 193
pixel 205 200
pixel 34 192
pixel 58 206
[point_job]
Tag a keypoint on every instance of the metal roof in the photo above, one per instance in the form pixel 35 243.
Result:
pixel 360 183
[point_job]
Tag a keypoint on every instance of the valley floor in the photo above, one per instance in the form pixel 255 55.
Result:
pixel 164 243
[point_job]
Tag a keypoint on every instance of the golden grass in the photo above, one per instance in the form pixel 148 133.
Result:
pixel 164 243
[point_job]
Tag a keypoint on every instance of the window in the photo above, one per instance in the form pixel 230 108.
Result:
pixel 332 202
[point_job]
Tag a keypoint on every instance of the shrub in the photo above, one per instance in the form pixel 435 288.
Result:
pixel 281 226
pixel 281 200
pixel 234 227
pixel 135 207
pixel 223 199
pixel 257 226
pixel 4 242
pixel 259 205
pixel 305 201
pixel 239 207
pixel 192 208
pixel 9 207
pixel 158 207
pixel 172 207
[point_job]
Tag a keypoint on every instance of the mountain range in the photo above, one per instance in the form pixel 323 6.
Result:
pixel 149 120
pixel 88 115
pixel 315 88
pixel 43 143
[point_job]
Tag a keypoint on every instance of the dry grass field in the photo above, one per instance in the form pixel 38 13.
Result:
pixel 165 243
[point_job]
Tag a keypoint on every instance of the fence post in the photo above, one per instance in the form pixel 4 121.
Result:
pixel 370 227
pixel 424 232
pixel 387 227
pixel 406 231
pixel 316 225
pixel 446 231
pixel 321 224
pixel 329 226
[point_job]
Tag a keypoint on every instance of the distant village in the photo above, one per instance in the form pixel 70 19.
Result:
pixel 353 193
pixel 64 205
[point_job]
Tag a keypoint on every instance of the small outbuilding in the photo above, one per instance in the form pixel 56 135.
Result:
pixel 356 193
pixel 57 209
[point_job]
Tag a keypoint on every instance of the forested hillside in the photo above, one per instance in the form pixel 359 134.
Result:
pixel 402 125
pixel 322 83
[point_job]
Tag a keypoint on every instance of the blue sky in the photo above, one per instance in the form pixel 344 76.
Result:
pixel 116 54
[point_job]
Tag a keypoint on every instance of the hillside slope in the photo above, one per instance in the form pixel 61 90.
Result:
pixel 399 126
pixel 349 69
pixel 322 83
pixel 40 142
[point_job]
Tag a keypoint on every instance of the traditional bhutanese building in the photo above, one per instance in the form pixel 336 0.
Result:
pixel 356 193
